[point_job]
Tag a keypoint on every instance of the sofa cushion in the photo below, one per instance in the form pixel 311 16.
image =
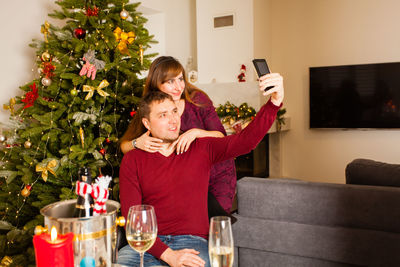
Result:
pixel 335 244
pixel 356 206
pixel 370 172
pixel 259 258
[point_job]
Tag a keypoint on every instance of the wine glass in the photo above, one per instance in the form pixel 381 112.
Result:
pixel 220 242
pixel 141 229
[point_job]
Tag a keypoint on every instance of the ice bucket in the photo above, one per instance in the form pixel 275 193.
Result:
pixel 94 237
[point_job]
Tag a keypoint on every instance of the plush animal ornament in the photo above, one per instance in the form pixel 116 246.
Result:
pixel 92 65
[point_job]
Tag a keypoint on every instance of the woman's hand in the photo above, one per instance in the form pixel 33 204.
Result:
pixel 186 139
pixel 277 92
pixel 147 143
pixel 182 258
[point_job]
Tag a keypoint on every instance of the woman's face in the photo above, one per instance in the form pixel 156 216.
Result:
pixel 174 87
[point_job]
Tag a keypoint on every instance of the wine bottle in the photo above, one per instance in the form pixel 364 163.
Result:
pixel 84 203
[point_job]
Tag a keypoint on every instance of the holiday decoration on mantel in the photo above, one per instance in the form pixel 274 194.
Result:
pixel 234 118
pixel 242 76
pixel 71 114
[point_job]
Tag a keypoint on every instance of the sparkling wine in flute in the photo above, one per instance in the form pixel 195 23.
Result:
pixel 220 242
pixel 141 242
pixel 221 256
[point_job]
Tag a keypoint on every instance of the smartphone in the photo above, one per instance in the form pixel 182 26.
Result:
pixel 261 68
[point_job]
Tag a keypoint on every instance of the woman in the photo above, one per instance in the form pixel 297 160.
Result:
pixel 198 119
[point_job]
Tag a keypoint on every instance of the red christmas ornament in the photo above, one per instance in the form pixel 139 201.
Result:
pixel 28 187
pixel 102 151
pixel 80 33
pixel 92 11
pixel 133 113
pixel 108 140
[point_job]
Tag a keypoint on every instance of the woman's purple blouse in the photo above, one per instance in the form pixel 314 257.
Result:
pixel 223 174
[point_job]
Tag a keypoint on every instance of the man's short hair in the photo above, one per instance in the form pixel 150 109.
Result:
pixel 148 99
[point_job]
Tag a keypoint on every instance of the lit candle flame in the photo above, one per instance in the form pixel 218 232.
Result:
pixel 53 234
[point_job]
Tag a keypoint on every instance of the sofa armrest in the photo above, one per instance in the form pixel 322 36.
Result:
pixel 370 172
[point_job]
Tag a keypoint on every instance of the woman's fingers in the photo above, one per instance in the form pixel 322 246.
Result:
pixel 180 146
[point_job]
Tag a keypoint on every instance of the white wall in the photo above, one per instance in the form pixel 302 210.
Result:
pixel 221 51
pixel 21 21
pixel 309 33
pixel 180 27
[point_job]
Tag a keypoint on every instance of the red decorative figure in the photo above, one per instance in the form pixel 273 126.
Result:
pixel 242 76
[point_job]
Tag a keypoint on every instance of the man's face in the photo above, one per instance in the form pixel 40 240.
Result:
pixel 164 121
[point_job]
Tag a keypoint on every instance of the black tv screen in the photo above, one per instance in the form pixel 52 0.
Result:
pixel 355 96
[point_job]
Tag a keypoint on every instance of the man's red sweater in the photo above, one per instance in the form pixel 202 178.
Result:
pixel 177 185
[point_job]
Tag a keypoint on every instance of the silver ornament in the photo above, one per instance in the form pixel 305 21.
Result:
pixel 2 138
pixel 124 14
pixel 46 81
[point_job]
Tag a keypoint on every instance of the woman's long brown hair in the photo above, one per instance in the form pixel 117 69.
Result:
pixel 161 70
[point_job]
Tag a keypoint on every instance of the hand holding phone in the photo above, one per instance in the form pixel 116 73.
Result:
pixel 261 68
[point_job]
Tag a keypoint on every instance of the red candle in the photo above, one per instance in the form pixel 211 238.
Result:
pixel 54 250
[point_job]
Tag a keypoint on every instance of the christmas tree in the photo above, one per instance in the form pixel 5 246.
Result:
pixel 71 115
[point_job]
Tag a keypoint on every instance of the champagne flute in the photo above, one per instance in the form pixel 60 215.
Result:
pixel 220 242
pixel 141 229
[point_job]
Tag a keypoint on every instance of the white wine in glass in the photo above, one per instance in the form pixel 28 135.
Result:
pixel 220 242
pixel 141 229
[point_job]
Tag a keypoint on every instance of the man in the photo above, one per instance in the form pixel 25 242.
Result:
pixel 176 184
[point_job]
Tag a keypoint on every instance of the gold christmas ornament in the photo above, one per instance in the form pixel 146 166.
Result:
pixel 45 30
pixel 124 14
pixel 141 54
pixel 99 89
pixel 74 92
pixel 6 261
pixel 124 39
pixel 46 168
pixel 46 56
pixel 25 192
pixel 27 144
pixel 82 136
pixel 10 106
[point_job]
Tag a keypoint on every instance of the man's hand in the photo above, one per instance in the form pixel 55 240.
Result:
pixel 182 258
pixel 147 143
pixel 276 80
pixel 185 140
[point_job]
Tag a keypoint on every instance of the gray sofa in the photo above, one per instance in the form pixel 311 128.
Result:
pixel 285 222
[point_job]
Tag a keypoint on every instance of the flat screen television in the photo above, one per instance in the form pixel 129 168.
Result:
pixel 355 96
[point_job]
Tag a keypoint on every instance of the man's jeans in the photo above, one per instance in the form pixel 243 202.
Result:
pixel 127 256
